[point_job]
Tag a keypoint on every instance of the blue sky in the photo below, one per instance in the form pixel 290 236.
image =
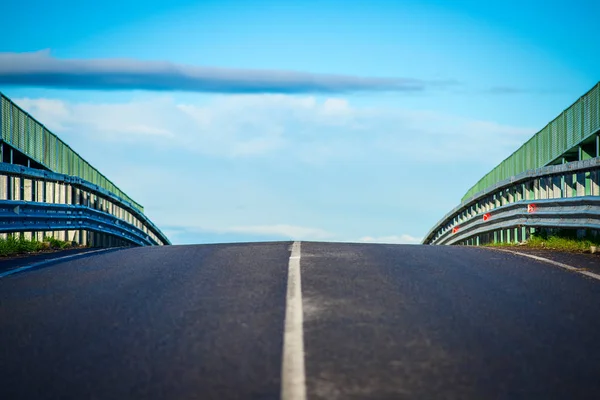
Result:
pixel 365 160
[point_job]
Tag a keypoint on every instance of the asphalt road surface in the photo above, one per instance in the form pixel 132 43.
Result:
pixel 379 322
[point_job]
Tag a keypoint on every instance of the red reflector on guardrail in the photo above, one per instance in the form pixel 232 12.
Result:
pixel 531 208
pixel 487 216
pixel 455 229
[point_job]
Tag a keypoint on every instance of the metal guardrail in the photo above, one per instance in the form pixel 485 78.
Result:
pixel 72 204
pixel 577 212
pixel 21 216
pixel 565 196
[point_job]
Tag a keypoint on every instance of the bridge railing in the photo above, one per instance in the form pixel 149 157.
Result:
pixel 24 133
pixel 558 196
pixel 571 128
pixel 40 203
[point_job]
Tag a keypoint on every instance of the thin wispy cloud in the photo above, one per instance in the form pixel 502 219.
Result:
pixel 392 239
pixel 283 230
pixel 506 90
pixel 276 231
pixel 514 90
pixel 41 69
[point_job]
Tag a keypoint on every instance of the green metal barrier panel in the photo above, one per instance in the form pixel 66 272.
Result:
pixel 573 126
pixel 27 135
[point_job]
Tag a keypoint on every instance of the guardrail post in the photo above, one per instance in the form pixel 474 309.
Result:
pixel 34 189
pixel 588 184
pixel 569 187
pixel 556 187
pixel 22 189
pixel 9 188
pixel 580 184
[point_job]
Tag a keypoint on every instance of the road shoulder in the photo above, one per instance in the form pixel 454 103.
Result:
pixel 579 261
pixel 9 264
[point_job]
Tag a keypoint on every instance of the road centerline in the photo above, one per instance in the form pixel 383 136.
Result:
pixel 293 380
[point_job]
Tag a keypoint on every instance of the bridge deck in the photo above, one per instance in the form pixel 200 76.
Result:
pixel 380 321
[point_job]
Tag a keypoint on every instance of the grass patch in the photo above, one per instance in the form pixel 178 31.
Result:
pixel 15 244
pixel 57 244
pixel 555 242
pixel 561 244
pixel 504 244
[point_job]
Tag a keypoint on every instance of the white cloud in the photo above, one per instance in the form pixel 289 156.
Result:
pixel 287 231
pixel 120 121
pixel 53 112
pixel 279 231
pixel 308 129
pixel 393 239
pixel 440 137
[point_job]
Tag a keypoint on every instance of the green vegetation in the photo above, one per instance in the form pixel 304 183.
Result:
pixel 16 244
pixel 560 241
pixel 57 244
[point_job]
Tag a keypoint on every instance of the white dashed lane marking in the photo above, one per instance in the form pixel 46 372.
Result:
pixel 293 381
